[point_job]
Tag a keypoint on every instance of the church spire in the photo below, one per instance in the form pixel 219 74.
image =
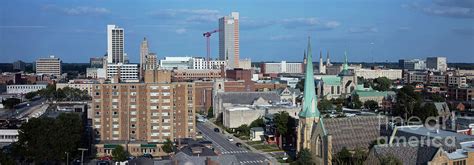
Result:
pixel 310 101
pixel 346 66
pixel 328 61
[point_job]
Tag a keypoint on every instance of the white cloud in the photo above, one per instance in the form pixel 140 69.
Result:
pixel 80 10
pixel 281 37
pixel 190 15
pixel 311 23
pixel 365 29
pixel 180 31
pixel 445 8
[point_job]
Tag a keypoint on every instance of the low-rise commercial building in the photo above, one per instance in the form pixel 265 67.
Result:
pixel 237 115
pixel 23 89
pixel 180 75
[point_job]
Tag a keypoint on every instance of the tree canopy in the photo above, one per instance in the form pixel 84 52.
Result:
pixel 355 102
pixel 210 112
pixel 371 104
pixel 281 122
pixel 407 101
pixel 382 84
pixel 167 146
pixel 304 157
pixel 10 103
pixel 257 123
pixel 119 154
pixel 325 105
pixel 390 160
pixel 47 139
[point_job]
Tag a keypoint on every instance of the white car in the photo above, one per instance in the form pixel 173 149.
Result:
pixel 230 139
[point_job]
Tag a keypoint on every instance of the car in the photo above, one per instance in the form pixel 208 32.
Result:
pixel 238 144
pixel 216 130
pixel 147 155
pixel 103 162
pixel 230 139
pixel 106 158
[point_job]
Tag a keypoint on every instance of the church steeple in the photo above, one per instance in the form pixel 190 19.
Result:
pixel 345 66
pixel 328 61
pixel 310 101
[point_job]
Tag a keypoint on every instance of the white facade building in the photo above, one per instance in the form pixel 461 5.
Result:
pixel 282 67
pixel 176 63
pixel 198 63
pixel 23 89
pixel 201 63
pixel 127 71
pixel 8 135
pixel 437 63
pixel 115 44
pixel 229 39
pixel 392 74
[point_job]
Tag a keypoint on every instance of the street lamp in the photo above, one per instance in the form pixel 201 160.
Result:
pixel 82 155
pixel 67 158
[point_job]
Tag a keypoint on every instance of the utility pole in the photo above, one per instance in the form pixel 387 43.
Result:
pixel 82 155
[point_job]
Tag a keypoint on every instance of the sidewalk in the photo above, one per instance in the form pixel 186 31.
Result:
pixel 267 155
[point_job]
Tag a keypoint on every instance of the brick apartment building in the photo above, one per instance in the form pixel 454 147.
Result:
pixel 140 116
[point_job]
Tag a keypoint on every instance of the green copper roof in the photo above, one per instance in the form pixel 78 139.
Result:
pixel 331 80
pixel 310 100
pixel 345 66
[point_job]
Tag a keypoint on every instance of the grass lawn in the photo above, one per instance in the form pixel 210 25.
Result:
pixel 254 142
pixel 265 147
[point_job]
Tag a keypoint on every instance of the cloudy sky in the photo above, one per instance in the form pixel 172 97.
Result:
pixel 369 30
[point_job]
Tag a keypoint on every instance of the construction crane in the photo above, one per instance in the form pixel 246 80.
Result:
pixel 208 48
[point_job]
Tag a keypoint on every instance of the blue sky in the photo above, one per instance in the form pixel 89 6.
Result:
pixel 369 30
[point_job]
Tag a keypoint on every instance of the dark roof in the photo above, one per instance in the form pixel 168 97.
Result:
pixel 247 97
pixel 353 132
pixel 204 150
pixel 408 154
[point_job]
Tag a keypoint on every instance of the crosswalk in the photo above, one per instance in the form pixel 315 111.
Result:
pixel 234 152
pixel 252 162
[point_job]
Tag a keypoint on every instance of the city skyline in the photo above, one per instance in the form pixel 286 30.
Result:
pixel 392 30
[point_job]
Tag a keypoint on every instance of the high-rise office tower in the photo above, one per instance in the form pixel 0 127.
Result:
pixel 229 39
pixel 115 44
pixel 143 53
pixel 436 63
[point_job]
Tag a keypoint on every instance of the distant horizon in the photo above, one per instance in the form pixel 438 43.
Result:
pixel 368 30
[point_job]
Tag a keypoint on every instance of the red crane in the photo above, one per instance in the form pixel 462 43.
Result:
pixel 208 48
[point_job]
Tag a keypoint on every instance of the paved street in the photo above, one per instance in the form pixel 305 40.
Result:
pixel 23 110
pixel 226 147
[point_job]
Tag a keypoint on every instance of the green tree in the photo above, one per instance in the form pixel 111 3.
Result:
pixel 168 146
pixel 371 104
pixel 343 156
pixel 304 157
pixel 360 155
pixel 325 105
pixel 30 95
pixel 407 101
pixel 390 160
pixel 54 135
pixel 382 84
pixel 243 130
pixel 428 110
pixel 300 85
pixel 437 98
pixel 119 154
pixel 210 112
pixel 10 103
pixel 281 122
pixel 257 123
pixel 355 102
